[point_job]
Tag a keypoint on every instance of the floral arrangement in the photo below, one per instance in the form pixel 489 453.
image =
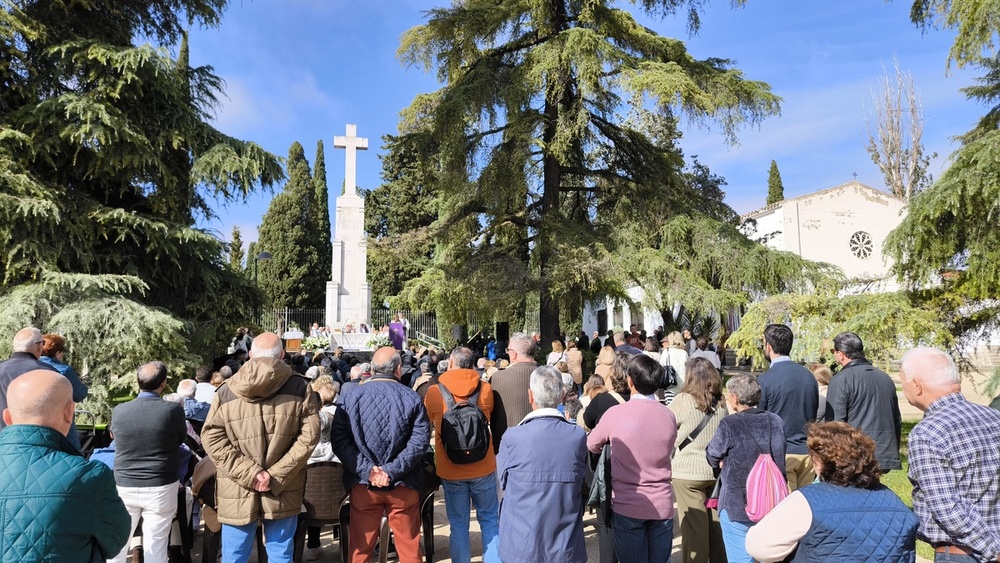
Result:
pixel 314 342
pixel 378 341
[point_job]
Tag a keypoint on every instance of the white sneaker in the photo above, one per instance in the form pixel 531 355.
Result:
pixel 312 553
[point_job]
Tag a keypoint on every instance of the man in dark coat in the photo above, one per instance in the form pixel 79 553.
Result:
pixel 510 387
pixel 865 397
pixel 790 391
pixel 27 348
pixel 595 344
pixel 381 435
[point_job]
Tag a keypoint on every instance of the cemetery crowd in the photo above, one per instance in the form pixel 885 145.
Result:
pixel 784 466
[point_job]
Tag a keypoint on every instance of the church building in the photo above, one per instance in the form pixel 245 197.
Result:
pixel 845 225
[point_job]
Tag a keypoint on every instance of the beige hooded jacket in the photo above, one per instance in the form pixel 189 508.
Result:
pixel 263 418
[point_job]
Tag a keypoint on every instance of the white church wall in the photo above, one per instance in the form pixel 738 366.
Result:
pixel 646 318
pixel 771 227
pixel 845 226
pixel 819 226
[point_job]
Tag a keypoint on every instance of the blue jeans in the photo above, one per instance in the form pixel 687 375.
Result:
pixel 483 494
pixel 279 536
pixel 642 541
pixel 734 535
pixel 954 558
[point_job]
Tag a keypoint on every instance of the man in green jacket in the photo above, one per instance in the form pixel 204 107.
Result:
pixel 56 505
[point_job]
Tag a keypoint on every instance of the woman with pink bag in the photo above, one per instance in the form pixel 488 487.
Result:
pixel 741 438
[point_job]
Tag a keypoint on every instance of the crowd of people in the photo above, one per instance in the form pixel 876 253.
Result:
pixel 651 425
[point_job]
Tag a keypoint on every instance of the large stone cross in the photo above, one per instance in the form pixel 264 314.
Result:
pixel 351 142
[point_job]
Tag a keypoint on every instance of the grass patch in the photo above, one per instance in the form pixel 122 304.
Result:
pixel 900 484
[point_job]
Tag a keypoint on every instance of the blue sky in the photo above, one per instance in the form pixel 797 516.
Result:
pixel 300 70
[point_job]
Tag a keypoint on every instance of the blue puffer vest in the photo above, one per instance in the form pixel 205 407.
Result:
pixel 851 524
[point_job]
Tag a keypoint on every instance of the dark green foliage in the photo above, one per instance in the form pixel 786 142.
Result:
pixel 404 205
pixel 321 221
pixel 538 176
pixel 975 23
pixel 947 248
pixel 292 277
pixel 236 250
pixel 775 189
pixel 105 162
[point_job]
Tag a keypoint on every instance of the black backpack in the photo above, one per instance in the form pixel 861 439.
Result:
pixel 465 432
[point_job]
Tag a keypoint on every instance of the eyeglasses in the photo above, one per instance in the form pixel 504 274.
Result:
pixel 40 343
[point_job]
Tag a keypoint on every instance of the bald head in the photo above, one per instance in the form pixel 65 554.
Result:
pixel 267 345
pixel 386 361
pixel 28 340
pixel 40 397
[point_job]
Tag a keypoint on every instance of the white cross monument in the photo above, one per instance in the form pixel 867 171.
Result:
pixel 348 294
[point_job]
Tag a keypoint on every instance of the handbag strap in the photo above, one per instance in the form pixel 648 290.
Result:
pixel 760 450
pixel 701 425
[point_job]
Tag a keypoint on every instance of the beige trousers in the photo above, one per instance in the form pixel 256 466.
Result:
pixel 799 471
pixel 701 534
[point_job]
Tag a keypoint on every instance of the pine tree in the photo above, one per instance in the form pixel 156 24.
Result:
pixel 948 244
pixel 540 174
pixel 775 189
pixel 324 234
pixel 236 250
pixel 292 278
pixel 106 159
pixel 397 217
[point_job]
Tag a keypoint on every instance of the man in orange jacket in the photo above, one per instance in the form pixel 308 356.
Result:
pixel 475 480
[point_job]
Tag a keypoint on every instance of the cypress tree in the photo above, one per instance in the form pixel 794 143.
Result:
pixel 775 189
pixel 324 244
pixel 292 277
pixel 236 250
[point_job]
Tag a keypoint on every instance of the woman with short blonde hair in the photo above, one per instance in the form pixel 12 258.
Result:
pixel 605 358
pixel 558 353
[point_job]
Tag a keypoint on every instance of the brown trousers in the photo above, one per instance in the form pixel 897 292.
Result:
pixel 401 505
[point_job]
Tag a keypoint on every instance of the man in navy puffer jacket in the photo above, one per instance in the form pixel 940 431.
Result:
pixel 381 435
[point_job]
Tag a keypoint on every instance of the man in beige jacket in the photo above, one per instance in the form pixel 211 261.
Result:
pixel 260 431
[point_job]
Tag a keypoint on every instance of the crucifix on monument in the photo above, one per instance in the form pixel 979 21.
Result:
pixel 348 294
pixel 351 143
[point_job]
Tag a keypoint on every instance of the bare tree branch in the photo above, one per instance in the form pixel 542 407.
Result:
pixel 895 145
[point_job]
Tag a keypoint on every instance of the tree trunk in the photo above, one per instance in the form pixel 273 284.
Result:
pixel 556 92
pixel 548 308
